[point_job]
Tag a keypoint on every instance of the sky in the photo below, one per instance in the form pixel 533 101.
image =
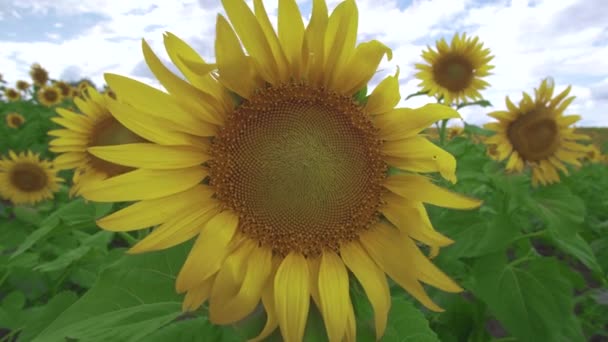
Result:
pixel 530 39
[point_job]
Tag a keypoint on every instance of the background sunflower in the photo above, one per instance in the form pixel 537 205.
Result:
pixel 12 94
pixel 49 96
pixel 14 120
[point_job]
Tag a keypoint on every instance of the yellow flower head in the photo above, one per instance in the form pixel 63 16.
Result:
pixel 14 120
pixel 594 154
pixel 25 179
pixel 49 96
pixel 39 75
pixel 537 133
pixel 75 92
pixel 267 158
pixel 64 89
pixel 95 127
pixel 23 85
pixel 12 94
pixel 83 85
pixel 455 70
pixel 455 131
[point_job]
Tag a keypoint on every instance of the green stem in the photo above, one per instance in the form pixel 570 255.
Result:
pixel 128 238
pixel 444 124
pixel 533 234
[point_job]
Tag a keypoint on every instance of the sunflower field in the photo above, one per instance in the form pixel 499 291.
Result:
pixel 275 195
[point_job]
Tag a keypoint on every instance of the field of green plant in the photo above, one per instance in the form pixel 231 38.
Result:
pixel 532 261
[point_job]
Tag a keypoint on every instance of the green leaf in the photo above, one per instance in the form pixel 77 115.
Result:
pixel 481 103
pixel 39 317
pixel 192 329
pixel 64 260
pixel 11 309
pixel 361 95
pixel 562 211
pixel 132 298
pixel 407 323
pixel 533 304
pixel 45 228
pixel 416 94
pixel 578 248
pixel 27 215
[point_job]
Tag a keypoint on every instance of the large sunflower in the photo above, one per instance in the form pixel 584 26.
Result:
pixel 537 133
pixel 25 179
pixel 14 120
pixel 279 173
pixel 39 75
pixel 455 71
pixel 95 127
pixel 49 96
pixel 12 94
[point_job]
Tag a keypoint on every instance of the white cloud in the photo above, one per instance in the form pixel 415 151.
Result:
pixel 566 39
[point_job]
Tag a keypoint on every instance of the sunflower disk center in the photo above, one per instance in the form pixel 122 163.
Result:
pixel 454 73
pixel 301 167
pixel 535 136
pixel 28 177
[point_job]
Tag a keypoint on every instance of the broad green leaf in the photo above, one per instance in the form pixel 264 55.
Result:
pixel 579 248
pixel 39 317
pixel 46 227
pixel 191 329
pixel 27 215
pixel 532 303
pixel 132 298
pixel 407 323
pixel 64 260
pixel 562 211
pixel 11 310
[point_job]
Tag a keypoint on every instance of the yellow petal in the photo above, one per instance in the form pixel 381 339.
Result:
pixel 340 39
pixel 372 280
pixel 74 126
pixel 151 156
pixel 257 272
pixel 236 70
pixel 291 35
pixel 160 104
pixel 418 154
pixel 334 295
pixel 362 66
pixel 178 229
pixel 384 247
pixel 314 40
pixel 419 188
pixel 502 115
pixel 197 296
pixel 268 301
pixel 69 160
pixel 292 296
pixel 252 36
pixel 402 123
pixel 143 184
pixel 402 213
pixel 273 40
pixel 208 252
pixel 149 213
pixel 385 96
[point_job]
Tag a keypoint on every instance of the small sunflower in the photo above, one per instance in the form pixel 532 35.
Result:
pixel 594 155
pixel 39 75
pixel 455 131
pixel 536 133
pixel 96 127
pixel 280 173
pixel 23 85
pixel 83 85
pixel 14 120
pixel 64 88
pixel 25 179
pixel 75 92
pixel 49 96
pixel 455 71
pixel 12 94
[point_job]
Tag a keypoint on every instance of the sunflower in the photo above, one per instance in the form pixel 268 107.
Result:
pixel 49 96
pixel 14 120
pixel 538 134
pixel 75 92
pixel 83 85
pixel 268 159
pixel 64 88
pixel 594 155
pixel 454 131
pixel 455 71
pixel 39 75
pixel 96 127
pixel 12 94
pixel 23 85
pixel 25 179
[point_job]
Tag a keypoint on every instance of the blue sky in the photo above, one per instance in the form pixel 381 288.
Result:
pixel 531 39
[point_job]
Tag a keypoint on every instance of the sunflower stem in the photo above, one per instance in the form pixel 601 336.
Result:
pixel 128 238
pixel 444 124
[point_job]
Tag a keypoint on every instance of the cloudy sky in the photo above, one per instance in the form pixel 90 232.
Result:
pixel 531 39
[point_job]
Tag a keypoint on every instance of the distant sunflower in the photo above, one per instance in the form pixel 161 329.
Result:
pixel 594 154
pixel 12 94
pixel 537 134
pixel 39 75
pixel 75 92
pixel 64 88
pixel 14 120
pixel 455 71
pixel 23 85
pixel 25 179
pixel 455 131
pixel 83 85
pixel 95 127
pixel 49 96
pixel 280 173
